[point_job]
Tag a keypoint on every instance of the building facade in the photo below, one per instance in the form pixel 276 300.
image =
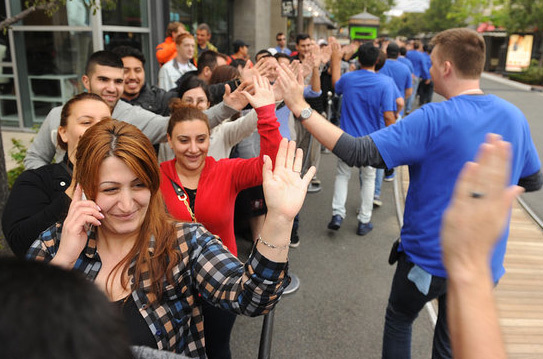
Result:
pixel 42 58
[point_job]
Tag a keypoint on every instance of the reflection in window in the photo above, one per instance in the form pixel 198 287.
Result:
pixel 8 100
pixel 127 13
pixel 74 13
pixel 50 65
pixel 214 13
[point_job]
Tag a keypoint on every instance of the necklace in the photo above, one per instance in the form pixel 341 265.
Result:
pixel 471 92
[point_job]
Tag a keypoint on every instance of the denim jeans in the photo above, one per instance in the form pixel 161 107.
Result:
pixel 404 304
pixel 367 189
pixel 411 100
pixel 379 174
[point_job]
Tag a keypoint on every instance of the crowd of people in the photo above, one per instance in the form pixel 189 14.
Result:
pixel 141 197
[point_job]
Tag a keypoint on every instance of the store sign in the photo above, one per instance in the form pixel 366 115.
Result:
pixel 519 52
pixel 287 8
pixel 362 33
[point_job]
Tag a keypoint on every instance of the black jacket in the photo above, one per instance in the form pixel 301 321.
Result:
pixel 154 99
pixel 37 201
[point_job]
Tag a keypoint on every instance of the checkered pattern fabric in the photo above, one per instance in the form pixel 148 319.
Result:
pixel 206 271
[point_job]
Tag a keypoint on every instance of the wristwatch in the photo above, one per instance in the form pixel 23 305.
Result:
pixel 305 114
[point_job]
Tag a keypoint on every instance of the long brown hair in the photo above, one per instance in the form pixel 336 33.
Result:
pixel 112 138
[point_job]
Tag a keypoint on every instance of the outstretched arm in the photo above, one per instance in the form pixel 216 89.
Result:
pixel 473 222
pixel 324 131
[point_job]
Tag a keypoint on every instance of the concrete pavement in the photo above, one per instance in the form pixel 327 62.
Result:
pixel 338 312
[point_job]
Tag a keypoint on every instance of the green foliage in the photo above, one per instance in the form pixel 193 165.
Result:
pixel 408 25
pixel 18 154
pixel 524 15
pixel 344 9
pixel 532 76
pixel 444 14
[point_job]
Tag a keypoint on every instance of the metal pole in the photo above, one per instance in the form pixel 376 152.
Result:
pixel 264 351
pixel 300 19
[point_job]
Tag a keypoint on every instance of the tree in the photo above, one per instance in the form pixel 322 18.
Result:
pixel 409 24
pixel 439 16
pixel 344 9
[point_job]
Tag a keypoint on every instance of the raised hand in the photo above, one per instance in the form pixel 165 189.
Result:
pixel 479 208
pixel 336 52
pixel 326 54
pixel 235 99
pixel 264 67
pixel 293 87
pixel 81 215
pixel 284 188
pixel 263 92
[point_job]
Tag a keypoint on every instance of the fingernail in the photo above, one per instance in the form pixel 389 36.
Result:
pixel 98 207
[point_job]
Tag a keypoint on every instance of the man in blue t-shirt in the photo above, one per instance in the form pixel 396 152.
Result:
pixel 426 90
pixel 435 141
pixel 421 71
pixel 367 99
pixel 398 71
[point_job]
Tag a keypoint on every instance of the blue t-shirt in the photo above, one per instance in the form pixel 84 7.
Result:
pixel 407 62
pixel 366 96
pixel 436 141
pixel 399 73
pixel 419 64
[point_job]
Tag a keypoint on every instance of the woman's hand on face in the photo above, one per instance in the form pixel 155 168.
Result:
pixel 82 214
pixel 284 188
pixel 263 92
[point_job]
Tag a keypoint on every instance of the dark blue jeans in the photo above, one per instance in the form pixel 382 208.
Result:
pixel 404 304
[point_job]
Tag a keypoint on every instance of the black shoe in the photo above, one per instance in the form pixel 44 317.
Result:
pixel 335 222
pixel 294 240
pixel 364 228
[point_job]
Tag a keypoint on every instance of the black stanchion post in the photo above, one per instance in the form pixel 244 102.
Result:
pixel 264 351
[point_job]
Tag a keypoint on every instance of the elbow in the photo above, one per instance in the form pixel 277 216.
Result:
pixel 532 183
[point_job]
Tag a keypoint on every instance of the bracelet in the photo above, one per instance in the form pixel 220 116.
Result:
pixel 273 246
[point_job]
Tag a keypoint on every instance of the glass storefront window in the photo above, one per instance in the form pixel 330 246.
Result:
pixel 8 99
pixel 50 65
pixel 216 14
pixel 74 13
pixel 127 13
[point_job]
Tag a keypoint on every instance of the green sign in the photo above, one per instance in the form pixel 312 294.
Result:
pixel 363 33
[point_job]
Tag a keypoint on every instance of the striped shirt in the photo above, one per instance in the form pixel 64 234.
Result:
pixel 206 271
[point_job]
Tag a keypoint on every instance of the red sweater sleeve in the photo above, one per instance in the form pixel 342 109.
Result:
pixel 268 128
pixel 249 172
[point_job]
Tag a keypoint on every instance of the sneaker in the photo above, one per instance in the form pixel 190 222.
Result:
pixel 364 228
pixel 313 188
pixel 377 202
pixel 389 178
pixel 335 222
pixel 294 240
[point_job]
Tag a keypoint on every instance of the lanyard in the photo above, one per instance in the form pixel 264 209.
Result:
pixel 183 197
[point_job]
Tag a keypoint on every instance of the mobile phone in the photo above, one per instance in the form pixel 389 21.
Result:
pixel 88 227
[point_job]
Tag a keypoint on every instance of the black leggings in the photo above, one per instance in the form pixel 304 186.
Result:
pixel 218 324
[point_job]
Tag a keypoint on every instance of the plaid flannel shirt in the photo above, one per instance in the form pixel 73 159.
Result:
pixel 206 269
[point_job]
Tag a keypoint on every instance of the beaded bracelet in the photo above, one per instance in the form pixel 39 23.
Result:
pixel 273 246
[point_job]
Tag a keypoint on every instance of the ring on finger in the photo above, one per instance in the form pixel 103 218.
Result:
pixel 476 194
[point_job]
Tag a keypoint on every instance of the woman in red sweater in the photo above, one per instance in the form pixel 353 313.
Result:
pixel 198 188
